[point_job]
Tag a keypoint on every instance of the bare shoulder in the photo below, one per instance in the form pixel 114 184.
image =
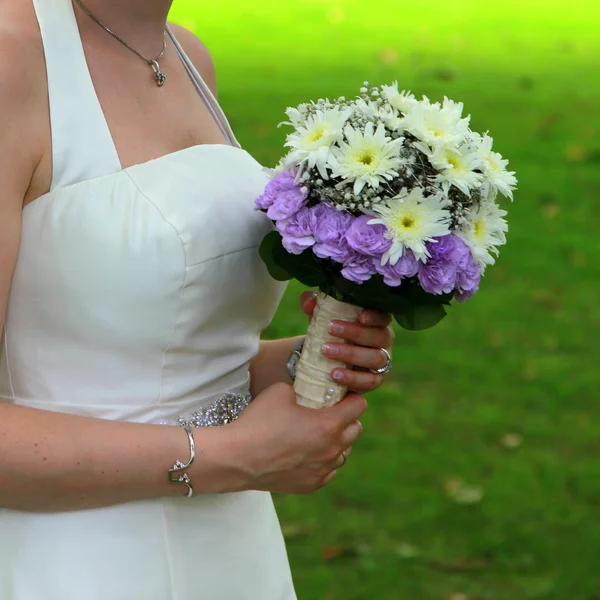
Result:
pixel 23 97
pixel 198 53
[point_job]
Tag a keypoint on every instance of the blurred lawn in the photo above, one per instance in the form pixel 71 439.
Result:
pixel 503 395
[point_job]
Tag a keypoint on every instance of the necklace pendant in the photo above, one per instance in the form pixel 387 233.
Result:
pixel 158 74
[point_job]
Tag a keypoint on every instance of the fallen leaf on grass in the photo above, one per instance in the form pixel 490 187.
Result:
pixel 512 440
pixel 458 597
pixel 331 552
pixel 407 551
pixel 578 259
pixel 576 153
pixel 546 298
pixel 463 493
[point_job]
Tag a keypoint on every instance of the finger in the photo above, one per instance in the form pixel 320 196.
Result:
pixel 374 318
pixel 351 434
pixel 308 301
pixel 340 460
pixel 356 356
pixel 372 337
pixel 358 381
pixel 348 410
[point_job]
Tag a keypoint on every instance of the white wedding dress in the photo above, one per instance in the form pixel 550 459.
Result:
pixel 138 295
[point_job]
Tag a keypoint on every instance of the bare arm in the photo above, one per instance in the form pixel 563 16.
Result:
pixel 269 366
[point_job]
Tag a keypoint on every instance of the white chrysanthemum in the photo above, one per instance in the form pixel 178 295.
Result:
pixel 368 157
pixel 457 168
pixel 412 219
pixel 494 167
pixel 297 116
pixel 311 142
pixel 485 229
pixel 367 108
pixel 402 101
pixel 437 125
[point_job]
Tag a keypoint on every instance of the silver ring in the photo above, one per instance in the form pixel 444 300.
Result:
pixel 345 457
pixel 388 365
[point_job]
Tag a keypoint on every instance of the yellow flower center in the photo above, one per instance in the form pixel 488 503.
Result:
pixel 317 134
pixel 479 229
pixel 366 158
pixel 404 222
pixel 454 161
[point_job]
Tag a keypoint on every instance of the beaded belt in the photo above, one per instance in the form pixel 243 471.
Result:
pixel 225 409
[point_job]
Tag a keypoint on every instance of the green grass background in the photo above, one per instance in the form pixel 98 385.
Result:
pixel 437 502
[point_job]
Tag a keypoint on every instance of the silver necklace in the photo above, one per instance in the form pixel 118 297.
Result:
pixel 159 76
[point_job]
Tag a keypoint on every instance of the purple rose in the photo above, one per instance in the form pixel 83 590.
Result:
pixel 281 182
pixel 468 275
pixel 406 267
pixel 282 198
pixel 439 274
pixel 368 239
pixel 330 236
pixel 358 268
pixel 298 231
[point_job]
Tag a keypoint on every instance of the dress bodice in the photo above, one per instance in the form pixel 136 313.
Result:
pixel 140 294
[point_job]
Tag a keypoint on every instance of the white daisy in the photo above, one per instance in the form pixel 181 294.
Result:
pixel 367 109
pixel 402 101
pixel 437 125
pixel 297 116
pixel 485 229
pixel 311 142
pixel 458 167
pixel 494 167
pixel 368 157
pixel 412 219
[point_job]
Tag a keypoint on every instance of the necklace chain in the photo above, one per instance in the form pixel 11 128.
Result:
pixel 158 74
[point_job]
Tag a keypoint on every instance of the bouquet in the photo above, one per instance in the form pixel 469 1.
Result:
pixel 384 202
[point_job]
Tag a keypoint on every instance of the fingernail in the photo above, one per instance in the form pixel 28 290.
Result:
pixel 335 328
pixel 331 349
pixel 338 375
pixel 366 319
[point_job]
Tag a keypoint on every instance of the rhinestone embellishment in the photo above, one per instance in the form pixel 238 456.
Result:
pixel 225 409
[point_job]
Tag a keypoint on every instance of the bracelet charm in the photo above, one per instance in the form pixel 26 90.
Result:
pixel 177 474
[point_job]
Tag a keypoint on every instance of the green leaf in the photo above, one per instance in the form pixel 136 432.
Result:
pixel 375 294
pixel 269 252
pixel 305 267
pixel 421 317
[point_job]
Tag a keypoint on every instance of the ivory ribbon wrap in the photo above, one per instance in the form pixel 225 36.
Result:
pixel 314 386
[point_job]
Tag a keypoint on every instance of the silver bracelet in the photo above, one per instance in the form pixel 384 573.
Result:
pixel 292 362
pixel 177 473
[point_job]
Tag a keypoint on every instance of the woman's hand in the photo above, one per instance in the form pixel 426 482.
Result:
pixel 279 446
pixel 361 349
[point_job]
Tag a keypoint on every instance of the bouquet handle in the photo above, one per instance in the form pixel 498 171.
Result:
pixel 314 386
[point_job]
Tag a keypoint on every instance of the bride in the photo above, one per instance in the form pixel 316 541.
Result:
pixel 132 299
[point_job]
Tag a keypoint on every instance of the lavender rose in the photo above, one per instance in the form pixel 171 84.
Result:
pixel 358 268
pixel 298 231
pixel 468 273
pixel 368 239
pixel 406 267
pixel 282 198
pixel 330 236
pixel 439 274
